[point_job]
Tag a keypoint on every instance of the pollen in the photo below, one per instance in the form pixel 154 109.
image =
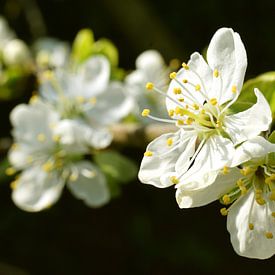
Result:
pixel 269 235
pixel 148 154
pixel 251 226
pixel 198 87
pixel 145 112
pixel 243 190
pixel 179 111
pixel 169 141
pixel 184 81
pixel 226 199
pixel 216 73
pixel 149 86
pixel 10 171
pixel 174 180
pixel 13 184
pixel 234 89
pixel 240 182
pixel 224 211
pixel 177 91
pixel 173 75
pixel 213 101
pixel 181 99
pixel 171 112
pixel 185 66
pixel 196 106
pixel 180 122
pixel 225 170
pixel 41 137
pixel 189 121
pixel 246 170
pixel 48 166
pixel 260 201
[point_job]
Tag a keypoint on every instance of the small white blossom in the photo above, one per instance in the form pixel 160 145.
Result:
pixel 47 164
pixel 197 101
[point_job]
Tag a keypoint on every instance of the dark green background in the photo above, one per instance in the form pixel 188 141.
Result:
pixel 143 231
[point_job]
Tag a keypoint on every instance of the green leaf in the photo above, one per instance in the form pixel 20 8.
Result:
pixel 271 138
pixel 106 47
pixel 83 45
pixel 265 83
pixel 116 167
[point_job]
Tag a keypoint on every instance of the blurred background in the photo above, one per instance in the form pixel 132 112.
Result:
pixel 143 231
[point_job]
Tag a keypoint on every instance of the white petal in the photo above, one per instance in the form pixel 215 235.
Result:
pixel 187 197
pixel 150 60
pixel 90 186
pixel 164 158
pixel 111 106
pixel 250 123
pixel 246 242
pixel 256 147
pixel 227 54
pixel 37 190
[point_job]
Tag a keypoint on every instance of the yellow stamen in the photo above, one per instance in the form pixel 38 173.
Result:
pixel 243 190
pixel 260 201
pixel 33 99
pixel 179 111
pixel 189 121
pixel 171 112
pixel 148 154
pixel 226 199
pixel 10 171
pixel 216 73
pixel 48 166
pixel 273 214
pixel 181 99
pixel 169 141
pixel 41 137
pixel 177 91
pixel 196 106
pixel 180 122
pixel 13 184
pixel 269 235
pixel 145 112
pixel 225 170
pixel 251 226
pixel 174 180
pixel 198 87
pixel 48 75
pixel 184 81
pixel 240 182
pixel 185 66
pixel 234 89
pixel 149 86
pixel 246 170
pixel 224 211
pixel 73 177
pixel 213 101
pixel 173 75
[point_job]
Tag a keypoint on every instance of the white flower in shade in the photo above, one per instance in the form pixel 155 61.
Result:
pixel 6 34
pixel 47 164
pixel 197 101
pixel 87 101
pixel 150 66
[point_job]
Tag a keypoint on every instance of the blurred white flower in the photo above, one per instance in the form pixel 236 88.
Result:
pixel 6 34
pixel 150 66
pixel 47 164
pixel 197 101
pixel 87 101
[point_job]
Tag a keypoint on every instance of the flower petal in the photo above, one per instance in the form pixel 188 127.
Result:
pixel 256 147
pixel 187 197
pixel 250 123
pixel 164 157
pixel 246 242
pixel 37 190
pixel 227 54
pixel 150 60
pixel 90 185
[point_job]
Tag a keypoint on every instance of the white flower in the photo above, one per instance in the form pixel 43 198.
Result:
pixel 197 101
pixel 150 66
pixel 6 34
pixel 87 102
pixel 47 164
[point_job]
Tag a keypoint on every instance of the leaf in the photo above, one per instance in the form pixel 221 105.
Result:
pixel 116 167
pixel 83 45
pixel 265 83
pixel 271 138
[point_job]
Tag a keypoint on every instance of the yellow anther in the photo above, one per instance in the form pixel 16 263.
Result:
pixel 48 75
pixel 186 106
pixel 73 177
pixel 171 112
pixel 174 180
pixel 33 99
pixel 260 201
pixel 92 100
pixel 239 182
pixel 234 89
pixel 48 166
pixel 251 226
pixel 185 66
pixel 218 123
pixel 213 101
pixel 169 141
pixel 273 214
pixel 202 112
pixel 148 154
pixel 184 81
pixel 13 184
pixel 177 91
pixel 246 170
pixel 224 211
pixel 174 63
pixel 269 235
pixel 173 75
pixel 226 199
pixel 225 170
pixel 14 146
pixel 179 111
pixel 198 87
pixel 243 190
pixel 272 195
pixel 258 191
pixel 180 122
pixel 56 138
pixel 189 121
pixel 216 73
pixel 41 137
pixel 10 171
pixel 145 112
pixel 80 99
pixel 181 99
pixel 196 106
pixel 149 86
